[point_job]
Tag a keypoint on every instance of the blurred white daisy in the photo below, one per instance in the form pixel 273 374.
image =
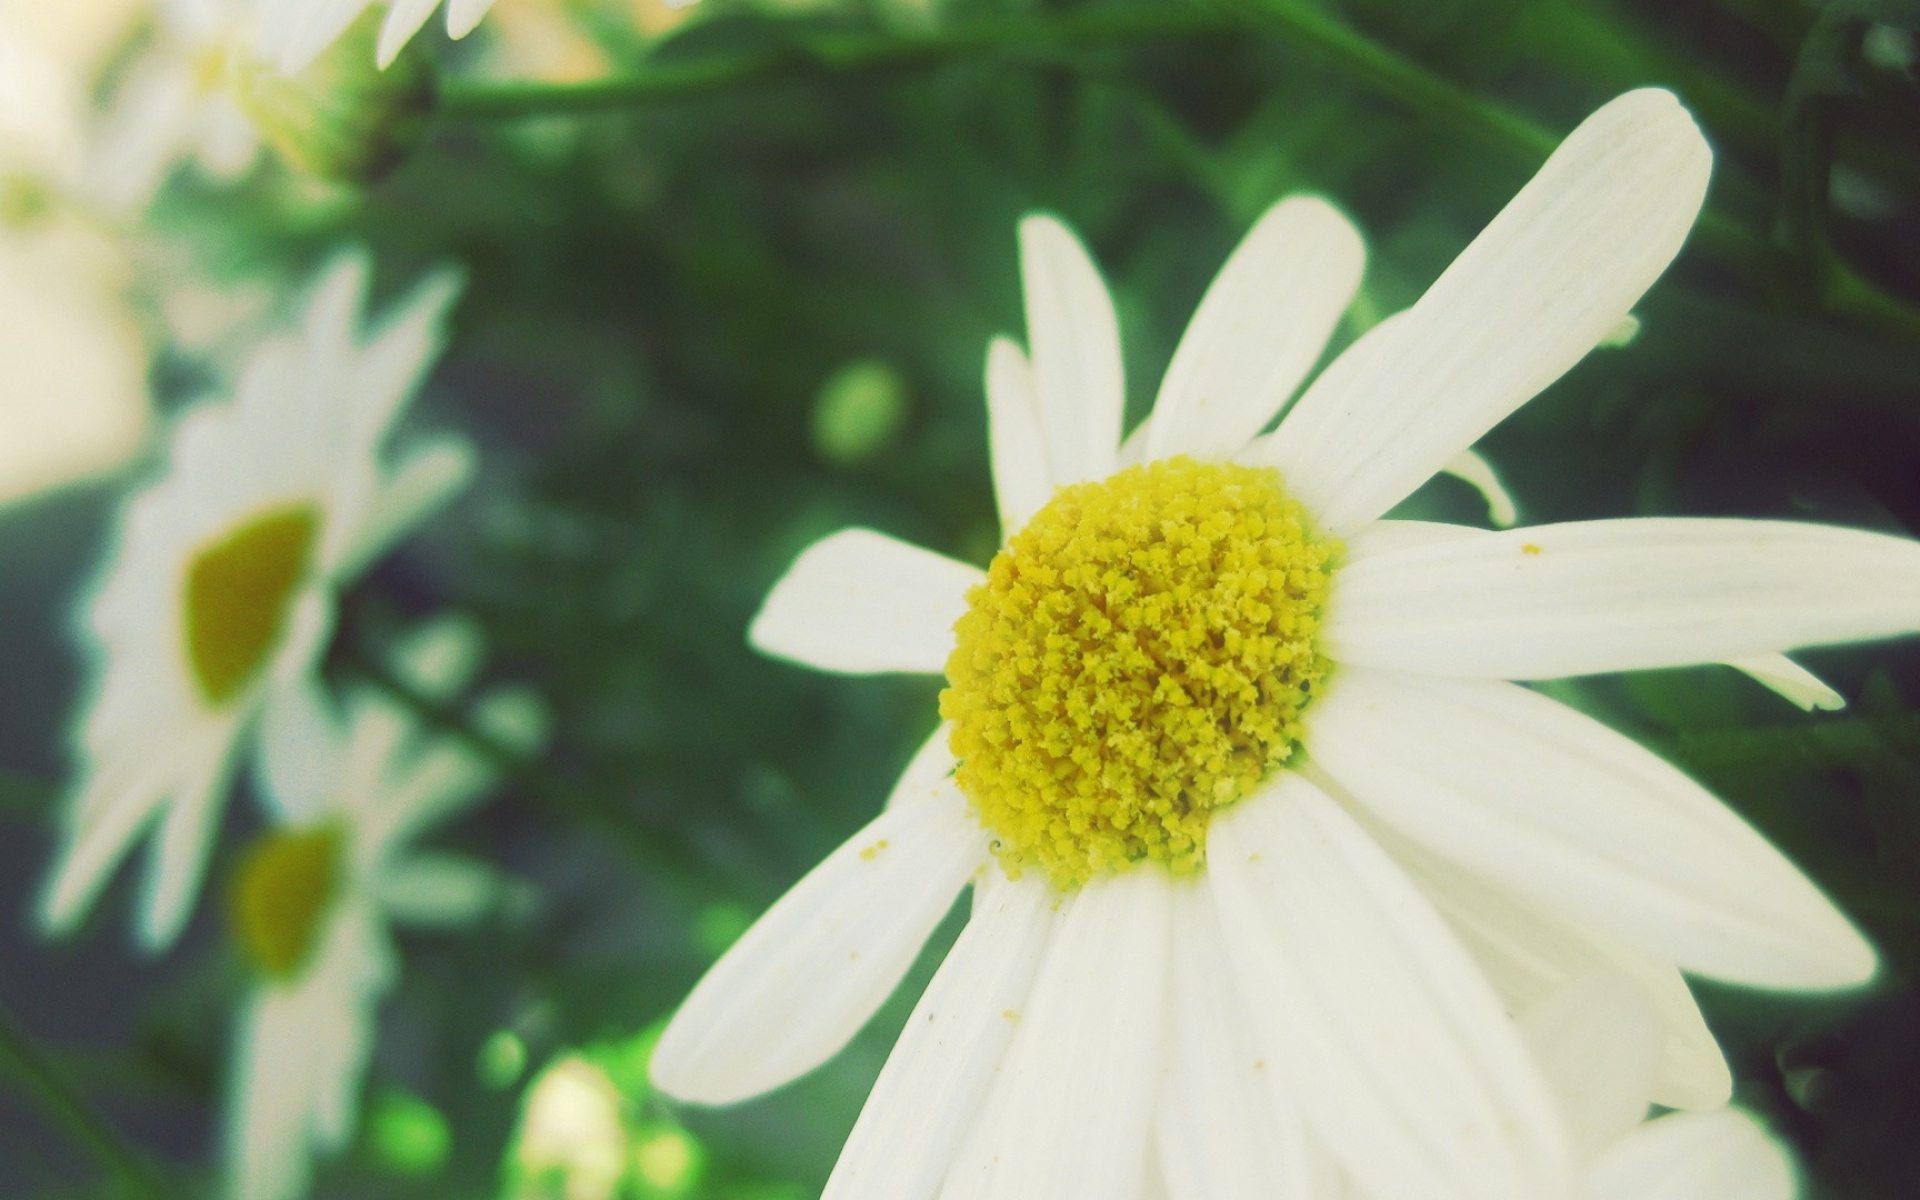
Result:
pixel 174 103
pixel 1234 763
pixel 218 596
pixel 313 897
pixel 73 396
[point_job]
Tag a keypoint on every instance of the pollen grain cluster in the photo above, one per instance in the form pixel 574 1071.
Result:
pixel 1138 657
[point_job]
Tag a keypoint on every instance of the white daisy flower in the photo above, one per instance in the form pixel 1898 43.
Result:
pixel 1235 766
pixel 218 598
pixel 176 103
pixel 313 897
pixel 295 32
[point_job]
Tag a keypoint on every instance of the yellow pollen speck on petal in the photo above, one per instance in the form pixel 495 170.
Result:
pixel 872 852
pixel 280 891
pixel 238 591
pixel 1530 550
pixel 1138 657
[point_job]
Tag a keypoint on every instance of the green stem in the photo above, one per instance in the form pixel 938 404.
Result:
pixel 831 54
pixel 1826 744
pixel 63 1102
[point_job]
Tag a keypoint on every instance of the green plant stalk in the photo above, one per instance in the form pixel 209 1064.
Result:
pixel 62 1102
pixel 832 54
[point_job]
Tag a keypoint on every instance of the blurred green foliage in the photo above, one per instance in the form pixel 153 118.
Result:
pixel 727 312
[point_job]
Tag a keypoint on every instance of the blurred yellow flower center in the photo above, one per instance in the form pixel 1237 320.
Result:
pixel 238 592
pixel 1138 657
pixel 280 892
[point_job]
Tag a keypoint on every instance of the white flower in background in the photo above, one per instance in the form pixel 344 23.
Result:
pixel 176 102
pixel 1265 848
pixel 73 395
pixel 218 597
pixel 295 32
pixel 313 897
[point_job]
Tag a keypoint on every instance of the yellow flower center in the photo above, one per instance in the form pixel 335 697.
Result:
pixel 1138 657
pixel 280 892
pixel 238 593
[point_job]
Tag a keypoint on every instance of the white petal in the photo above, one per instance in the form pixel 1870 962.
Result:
pixel 1075 342
pixel 932 1087
pixel 270 1110
pixel 463 15
pixel 1021 481
pixel 929 773
pixel 400 801
pixel 401 351
pixel 177 856
pixel 1226 1129
pixel 301 756
pixel 437 890
pixel 1471 468
pixel 805 978
pixel 1621 595
pixel 1791 681
pixel 1527 953
pixel 1550 277
pixel 862 603
pixel 1259 329
pixel 1068 1118
pixel 1720 1155
pixel 441 656
pixel 1597 1040
pixel 1564 810
pixel 1413 1075
pixel 404 20
pixel 116 804
pixel 430 475
pixel 1382 537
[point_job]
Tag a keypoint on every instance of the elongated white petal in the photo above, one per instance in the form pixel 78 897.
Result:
pixel 425 480
pixel 1068 1117
pixel 437 890
pixel 177 857
pixel 1075 343
pixel 1550 277
pixel 1564 810
pixel 404 19
pixel 1022 481
pixel 1527 953
pixel 1227 1127
pixel 1414 1076
pixel 1383 537
pixel 116 803
pixel 950 1052
pixel 1621 595
pixel 1789 680
pixel 402 350
pixel 1597 1040
pixel 862 603
pixel 1472 468
pixel 1258 330
pixel 1719 1155
pixel 463 15
pixel 298 764
pixel 805 978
